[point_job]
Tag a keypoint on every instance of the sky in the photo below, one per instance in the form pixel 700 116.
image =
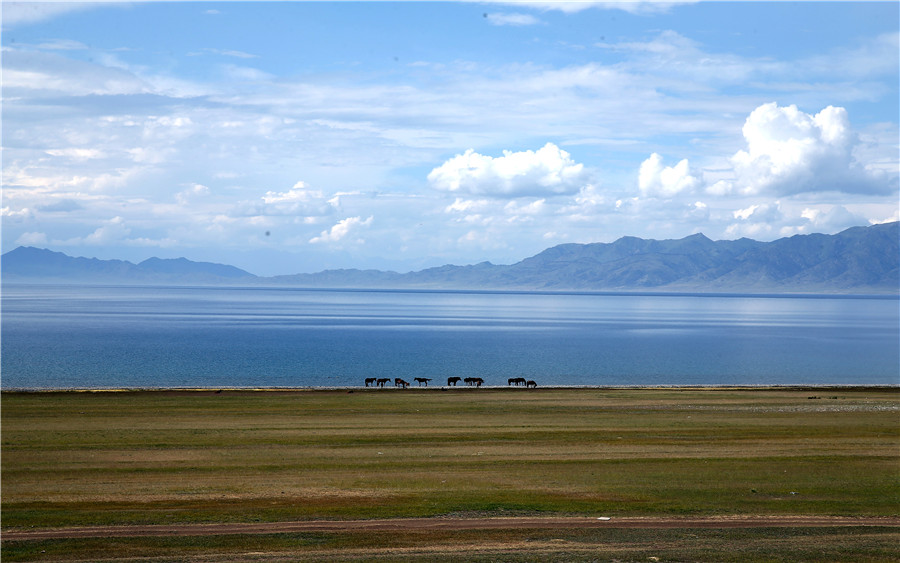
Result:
pixel 289 137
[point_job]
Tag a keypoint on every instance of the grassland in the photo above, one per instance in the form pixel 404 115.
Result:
pixel 132 458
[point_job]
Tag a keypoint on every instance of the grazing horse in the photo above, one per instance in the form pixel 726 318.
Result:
pixel 453 381
pixel 421 380
pixel 400 383
pixel 530 383
pixel 382 381
pixel 516 381
pixel 370 380
pixel 476 381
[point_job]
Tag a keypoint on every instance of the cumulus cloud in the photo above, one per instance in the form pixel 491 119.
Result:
pixel 547 171
pixel 829 220
pixel 656 180
pixel 340 231
pixel 790 152
pixel 32 239
pixel 773 219
pixel 300 201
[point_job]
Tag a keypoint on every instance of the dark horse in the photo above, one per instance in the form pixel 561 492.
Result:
pixel 476 381
pixel 400 383
pixel 531 383
pixel 516 381
pixel 370 380
pixel 453 381
pixel 421 380
pixel 382 381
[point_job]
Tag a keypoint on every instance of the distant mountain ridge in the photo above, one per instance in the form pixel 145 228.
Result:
pixel 857 260
pixel 28 262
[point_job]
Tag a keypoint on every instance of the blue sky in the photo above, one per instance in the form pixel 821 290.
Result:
pixel 287 137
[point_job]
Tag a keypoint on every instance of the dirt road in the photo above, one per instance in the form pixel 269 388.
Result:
pixel 399 525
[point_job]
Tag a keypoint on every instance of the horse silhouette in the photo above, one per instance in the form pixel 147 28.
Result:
pixel 400 383
pixel 476 381
pixel 370 380
pixel 530 383
pixel 382 381
pixel 516 381
pixel 421 380
pixel 453 381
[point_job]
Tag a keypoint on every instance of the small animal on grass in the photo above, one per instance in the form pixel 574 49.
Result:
pixel 453 381
pixel 421 380
pixel 476 381
pixel 400 383
pixel 370 380
pixel 516 381
pixel 382 381
pixel 530 383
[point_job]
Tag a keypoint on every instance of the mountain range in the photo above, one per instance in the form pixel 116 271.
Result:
pixel 857 260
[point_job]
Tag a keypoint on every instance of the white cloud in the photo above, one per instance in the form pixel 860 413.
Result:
pixel 340 231
pixel 631 6
pixel 32 239
pixel 888 219
pixel 828 219
pixel 547 171
pixel 512 19
pixel 790 152
pixel 30 12
pixel 765 212
pixel 656 180
pixel 113 232
pixel 51 73
pixel 75 153
pixel 14 214
pixel 184 197
pixel 774 219
pixel 299 201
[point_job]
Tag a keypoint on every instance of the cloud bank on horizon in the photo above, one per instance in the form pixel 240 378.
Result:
pixel 292 137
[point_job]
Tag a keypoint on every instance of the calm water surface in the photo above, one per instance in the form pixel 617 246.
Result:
pixel 96 337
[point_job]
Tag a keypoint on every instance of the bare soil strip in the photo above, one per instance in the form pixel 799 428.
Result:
pixel 419 524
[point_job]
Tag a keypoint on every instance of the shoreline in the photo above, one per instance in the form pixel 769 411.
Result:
pixel 461 388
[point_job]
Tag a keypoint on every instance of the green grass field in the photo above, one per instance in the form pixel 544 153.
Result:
pixel 241 456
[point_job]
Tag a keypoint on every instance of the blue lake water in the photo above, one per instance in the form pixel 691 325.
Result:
pixel 99 337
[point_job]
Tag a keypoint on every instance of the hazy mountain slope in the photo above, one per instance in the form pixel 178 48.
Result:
pixel 861 259
pixel 38 264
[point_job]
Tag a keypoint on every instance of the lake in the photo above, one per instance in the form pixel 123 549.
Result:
pixel 152 337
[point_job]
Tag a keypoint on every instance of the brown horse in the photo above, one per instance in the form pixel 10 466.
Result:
pixel 516 381
pixel 530 383
pixel 453 381
pixel 370 380
pixel 421 380
pixel 382 381
pixel 476 381
pixel 400 383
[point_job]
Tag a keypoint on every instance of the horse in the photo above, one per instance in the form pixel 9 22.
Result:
pixel 453 381
pixel 382 381
pixel 516 381
pixel 476 381
pixel 400 383
pixel 421 380
pixel 370 380
pixel 530 383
